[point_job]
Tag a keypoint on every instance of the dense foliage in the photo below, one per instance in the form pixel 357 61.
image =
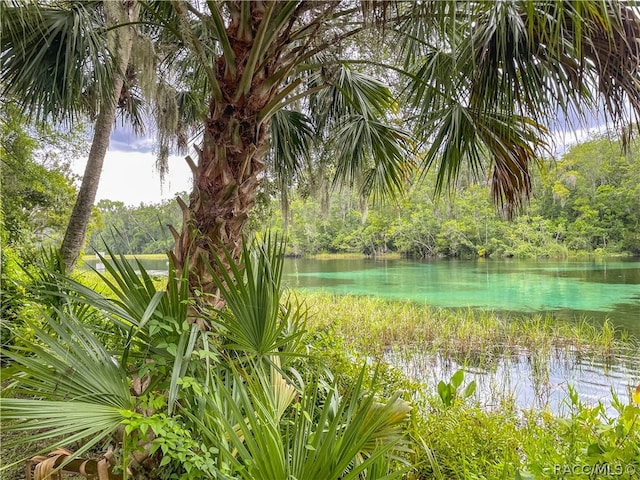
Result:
pixel 212 374
pixel 261 397
pixel 587 201
pixel 246 398
pixel 141 229
pixel 37 184
pixel 37 196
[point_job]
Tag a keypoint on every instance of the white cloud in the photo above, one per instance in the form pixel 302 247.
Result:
pixel 563 140
pixel 131 177
pixel 129 173
pixel 124 140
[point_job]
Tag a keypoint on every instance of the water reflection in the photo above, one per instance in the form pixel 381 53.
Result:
pixel 571 289
pixel 531 381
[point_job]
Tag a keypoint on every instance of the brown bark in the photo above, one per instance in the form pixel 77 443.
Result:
pixel 228 170
pixel 226 182
pixel 76 231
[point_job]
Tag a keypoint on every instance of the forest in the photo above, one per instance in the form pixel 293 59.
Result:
pixel 353 128
pixel 585 202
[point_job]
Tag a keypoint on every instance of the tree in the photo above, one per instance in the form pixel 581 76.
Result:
pixel 479 80
pixel 37 185
pixel 57 62
pixel 140 229
pixel 74 238
pixel 483 79
pixel 37 196
pixel 594 190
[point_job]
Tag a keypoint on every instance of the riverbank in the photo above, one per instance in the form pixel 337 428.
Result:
pixel 423 351
pixel 373 325
pixel 460 437
pixel 601 254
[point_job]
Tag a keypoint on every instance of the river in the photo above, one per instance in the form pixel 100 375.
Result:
pixel 598 289
pixel 571 289
pixel 594 289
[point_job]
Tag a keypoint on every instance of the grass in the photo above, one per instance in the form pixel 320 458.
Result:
pixel 91 279
pixel 465 440
pixel 145 256
pixel 373 326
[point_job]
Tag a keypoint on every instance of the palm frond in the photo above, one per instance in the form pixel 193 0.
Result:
pixel 423 25
pixel 363 141
pixel 254 321
pixel 351 112
pixel 347 92
pixel 291 138
pixel 52 57
pixel 493 82
pixel 68 363
pixel 321 438
pixel 61 423
pixel 65 386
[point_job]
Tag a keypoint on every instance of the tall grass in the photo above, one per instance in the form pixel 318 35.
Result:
pixel 373 326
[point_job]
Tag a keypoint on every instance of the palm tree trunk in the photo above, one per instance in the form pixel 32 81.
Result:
pixel 226 182
pixel 229 169
pixel 76 231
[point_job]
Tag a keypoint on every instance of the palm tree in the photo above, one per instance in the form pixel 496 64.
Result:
pixel 74 237
pixel 125 372
pixel 480 82
pixel 61 63
pixel 298 82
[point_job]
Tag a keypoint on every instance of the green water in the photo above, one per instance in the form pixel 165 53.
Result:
pixel 598 289
pixel 571 289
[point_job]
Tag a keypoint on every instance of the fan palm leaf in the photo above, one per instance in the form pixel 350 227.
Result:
pixel 54 60
pixel 493 83
pixel 64 387
pixel 255 321
pixel 262 435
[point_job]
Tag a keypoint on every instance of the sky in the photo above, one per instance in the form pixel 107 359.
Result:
pixel 129 174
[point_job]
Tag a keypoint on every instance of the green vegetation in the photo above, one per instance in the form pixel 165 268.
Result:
pixel 373 325
pixel 136 230
pixel 240 399
pixel 588 202
pixel 251 393
pixel 468 441
pixel 449 433
pixel 37 184
pixel 37 196
pixel 457 436
pixel 215 373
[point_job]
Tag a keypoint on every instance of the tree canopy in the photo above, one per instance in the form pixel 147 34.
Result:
pixel 356 89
